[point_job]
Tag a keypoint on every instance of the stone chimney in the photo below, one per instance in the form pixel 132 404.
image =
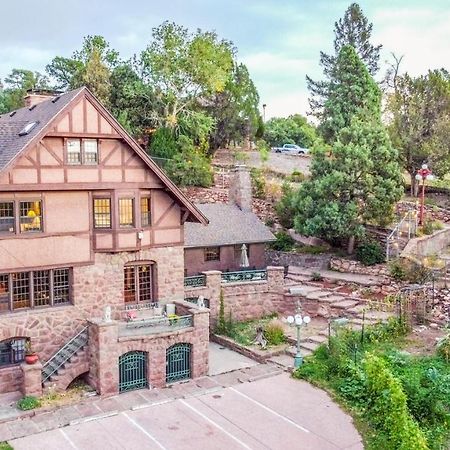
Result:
pixel 35 96
pixel 240 193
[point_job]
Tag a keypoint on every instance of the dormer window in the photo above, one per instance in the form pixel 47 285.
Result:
pixel 82 151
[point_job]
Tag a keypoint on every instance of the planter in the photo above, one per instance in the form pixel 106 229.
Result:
pixel 31 359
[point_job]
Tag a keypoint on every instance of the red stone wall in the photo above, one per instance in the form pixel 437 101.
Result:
pixel 11 379
pixel 194 259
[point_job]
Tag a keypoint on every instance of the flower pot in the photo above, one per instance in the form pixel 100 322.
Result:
pixel 31 359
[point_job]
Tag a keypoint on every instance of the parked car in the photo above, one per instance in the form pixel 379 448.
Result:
pixel 291 149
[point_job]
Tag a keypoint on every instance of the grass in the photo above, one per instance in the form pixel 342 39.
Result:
pixel 5 446
pixel 73 394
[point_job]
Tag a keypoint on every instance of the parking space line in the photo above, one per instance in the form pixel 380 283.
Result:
pixel 144 431
pixel 286 419
pixel 215 424
pixel 67 438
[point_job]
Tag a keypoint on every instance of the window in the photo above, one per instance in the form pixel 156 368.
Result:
pixel 30 216
pixel 145 212
pixel 102 213
pixel 126 216
pixel 212 254
pixel 7 217
pixel 138 284
pixel 34 289
pixel 74 151
pixel 82 151
pixel 12 351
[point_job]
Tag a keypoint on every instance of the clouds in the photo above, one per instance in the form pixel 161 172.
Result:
pixel 279 40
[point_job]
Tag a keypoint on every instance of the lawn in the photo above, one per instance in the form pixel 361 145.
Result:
pixel 5 446
pixel 399 400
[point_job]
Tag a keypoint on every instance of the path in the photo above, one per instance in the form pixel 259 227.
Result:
pixel 271 413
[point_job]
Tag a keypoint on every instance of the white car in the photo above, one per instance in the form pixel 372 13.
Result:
pixel 292 149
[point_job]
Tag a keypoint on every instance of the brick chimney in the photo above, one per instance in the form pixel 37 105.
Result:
pixel 240 193
pixel 35 96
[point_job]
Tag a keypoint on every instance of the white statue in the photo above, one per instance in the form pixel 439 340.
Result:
pixel 107 314
pixel 201 301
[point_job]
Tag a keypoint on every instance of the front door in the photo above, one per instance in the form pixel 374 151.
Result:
pixel 178 362
pixel 133 371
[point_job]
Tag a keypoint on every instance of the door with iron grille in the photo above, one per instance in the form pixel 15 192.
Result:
pixel 178 362
pixel 133 371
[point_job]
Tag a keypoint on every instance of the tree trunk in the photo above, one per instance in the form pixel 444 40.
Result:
pixel 414 185
pixel 351 245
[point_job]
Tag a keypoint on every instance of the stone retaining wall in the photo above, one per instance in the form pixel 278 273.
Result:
pixel 420 247
pixel 351 266
pixel 277 258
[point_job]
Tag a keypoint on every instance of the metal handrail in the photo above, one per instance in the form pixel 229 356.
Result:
pixel 195 281
pixel 408 217
pixel 64 354
pixel 244 275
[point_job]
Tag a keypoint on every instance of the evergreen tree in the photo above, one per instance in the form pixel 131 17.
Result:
pixel 355 30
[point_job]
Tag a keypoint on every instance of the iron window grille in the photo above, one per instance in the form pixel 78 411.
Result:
pixel 102 213
pixel 126 215
pixel 12 351
pixel 7 218
pixel 145 212
pixel 138 284
pixel 212 254
pixel 30 216
pixel 40 288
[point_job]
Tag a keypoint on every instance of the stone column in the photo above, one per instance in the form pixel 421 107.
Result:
pixel 200 343
pixel 103 356
pixel 213 284
pixel 157 366
pixel 32 379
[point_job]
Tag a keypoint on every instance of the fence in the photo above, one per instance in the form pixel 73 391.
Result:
pixel 195 281
pixel 244 275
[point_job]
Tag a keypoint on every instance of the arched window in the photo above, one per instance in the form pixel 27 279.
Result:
pixel 12 351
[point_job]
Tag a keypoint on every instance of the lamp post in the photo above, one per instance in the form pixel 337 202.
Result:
pixel 264 112
pixel 423 174
pixel 298 321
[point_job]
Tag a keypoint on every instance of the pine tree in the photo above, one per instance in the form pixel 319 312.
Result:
pixel 355 30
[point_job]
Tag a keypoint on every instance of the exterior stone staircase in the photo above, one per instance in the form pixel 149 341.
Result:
pixel 70 361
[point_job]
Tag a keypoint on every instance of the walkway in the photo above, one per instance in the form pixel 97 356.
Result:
pixel 227 412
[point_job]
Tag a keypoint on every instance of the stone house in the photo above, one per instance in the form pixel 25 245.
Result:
pixel 91 254
pixel 218 246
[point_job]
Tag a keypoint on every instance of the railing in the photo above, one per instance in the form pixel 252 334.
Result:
pixel 64 354
pixel 195 281
pixel 141 306
pixel 410 220
pixel 244 275
pixel 154 325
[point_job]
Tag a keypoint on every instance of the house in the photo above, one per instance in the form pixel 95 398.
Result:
pixel 91 254
pixel 218 246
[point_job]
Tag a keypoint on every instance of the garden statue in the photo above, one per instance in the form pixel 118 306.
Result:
pixel 260 338
pixel 107 314
pixel 201 301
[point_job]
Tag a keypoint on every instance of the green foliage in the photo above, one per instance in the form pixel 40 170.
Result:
pixel 285 207
pixel 221 327
pixel 284 242
pixel 5 446
pixel 28 402
pixel 443 348
pixel 163 144
pixel 370 253
pixel 296 176
pixel 430 226
pixel 316 276
pixel 292 130
pixel 274 333
pixel 359 183
pixel 405 270
pixel 258 183
pixel 263 149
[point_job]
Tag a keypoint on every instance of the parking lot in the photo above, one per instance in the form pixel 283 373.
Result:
pixel 271 413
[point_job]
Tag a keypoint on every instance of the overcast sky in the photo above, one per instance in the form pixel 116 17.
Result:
pixel 279 40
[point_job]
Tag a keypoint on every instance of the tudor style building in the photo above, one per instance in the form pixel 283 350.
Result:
pixel 91 250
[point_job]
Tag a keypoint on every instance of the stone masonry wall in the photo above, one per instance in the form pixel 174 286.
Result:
pixel 348 265
pixel 11 379
pixel 94 287
pixel 277 258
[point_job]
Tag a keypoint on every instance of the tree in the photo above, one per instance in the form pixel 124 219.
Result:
pixel 185 68
pixel 354 30
pixel 418 112
pixel 352 91
pixel 294 129
pixel 360 183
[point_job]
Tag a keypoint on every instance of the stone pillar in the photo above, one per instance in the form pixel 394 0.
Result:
pixel 275 278
pixel 240 193
pixel 200 343
pixel 157 367
pixel 103 356
pixel 32 379
pixel 213 284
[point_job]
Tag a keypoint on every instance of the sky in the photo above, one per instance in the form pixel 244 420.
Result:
pixel 279 40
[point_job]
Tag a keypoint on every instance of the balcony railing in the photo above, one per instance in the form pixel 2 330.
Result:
pixel 155 325
pixel 195 281
pixel 244 275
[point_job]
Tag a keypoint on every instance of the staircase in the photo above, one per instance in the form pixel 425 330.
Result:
pixel 70 361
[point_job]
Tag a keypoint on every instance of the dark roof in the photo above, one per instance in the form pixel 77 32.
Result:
pixel 228 225
pixel 11 144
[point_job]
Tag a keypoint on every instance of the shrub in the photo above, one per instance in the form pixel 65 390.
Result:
pixel 264 149
pixel 430 226
pixel 284 242
pixel 296 176
pixel 398 270
pixel 274 333
pixel 258 183
pixel 370 253
pixel 163 144
pixel 443 348
pixel 5 446
pixel 316 276
pixel 28 402
pixel 221 327
pixel 284 208
pixel 405 270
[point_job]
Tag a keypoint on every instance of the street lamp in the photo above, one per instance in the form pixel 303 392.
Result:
pixel 423 174
pixel 264 112
pixel 298 321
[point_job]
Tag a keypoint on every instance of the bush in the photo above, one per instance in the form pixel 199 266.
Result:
pixel 443 348
pixel 316 276
pixel 284 242
pixel 370 253
pixel 28 402
pixel 398 270
pixel 405 270
pixel 296 176
pixel 430 226
pixel 264 150
pixel 163 144
pixel 284 208
pixel 274 333
pixel 258 183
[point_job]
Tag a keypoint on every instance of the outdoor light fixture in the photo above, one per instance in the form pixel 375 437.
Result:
pixel 298 321
pixel 423 174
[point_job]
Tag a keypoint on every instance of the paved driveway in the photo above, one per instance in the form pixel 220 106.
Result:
pixel 271 413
